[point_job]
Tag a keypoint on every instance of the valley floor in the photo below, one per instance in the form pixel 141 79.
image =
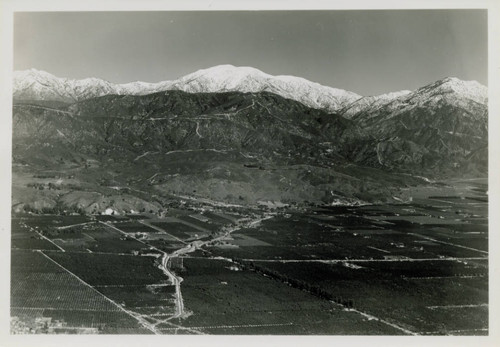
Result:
pixel 419 268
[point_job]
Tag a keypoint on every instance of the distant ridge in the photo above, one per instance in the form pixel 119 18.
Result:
pixel 34 84
pixel 40 85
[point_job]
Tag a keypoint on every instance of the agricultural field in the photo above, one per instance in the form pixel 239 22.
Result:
pixel 386 291
pixel 44 296
pixel 154 299
pixel 94 237
pixel 419 268
pixel 413 265
pixel 199 222
pixel 86 278
pixel 25 237
pixel 225 299
pixel 131 227
pixel 111 269
pixel 178 230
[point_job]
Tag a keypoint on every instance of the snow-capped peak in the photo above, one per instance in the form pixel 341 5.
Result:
pixel 472 90
pixel 226 71
pixel 34 84
pixel 41 85
pixel 221 78
pixel 248 79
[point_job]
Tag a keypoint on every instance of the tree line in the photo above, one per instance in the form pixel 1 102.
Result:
pixel 295 283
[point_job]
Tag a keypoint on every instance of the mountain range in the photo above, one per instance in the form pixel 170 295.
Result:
pixel 34 84
pixel 237 134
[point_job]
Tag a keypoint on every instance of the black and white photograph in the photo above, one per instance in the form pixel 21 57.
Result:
pixel 249 172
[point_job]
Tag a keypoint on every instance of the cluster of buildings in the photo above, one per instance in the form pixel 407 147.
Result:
pixel 45 325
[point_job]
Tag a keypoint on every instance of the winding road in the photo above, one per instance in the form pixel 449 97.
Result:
pixel 189 248
pixel 176 280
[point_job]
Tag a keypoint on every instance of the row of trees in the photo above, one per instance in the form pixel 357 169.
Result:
pixel 41 186
pixel 296 283
pixel 58 209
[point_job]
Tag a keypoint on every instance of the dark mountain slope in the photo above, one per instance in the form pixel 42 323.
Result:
pixel 246 147
pixel 434 131
pixel 256 123
pixel 229 146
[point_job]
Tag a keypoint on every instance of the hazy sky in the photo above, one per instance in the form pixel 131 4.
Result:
pixel 368 52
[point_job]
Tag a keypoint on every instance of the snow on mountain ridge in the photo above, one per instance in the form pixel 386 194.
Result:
pixel 248 79
pixel 35 84
pixel 371 102
pixel 222 78
pixel 472 90
pixel 447 92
